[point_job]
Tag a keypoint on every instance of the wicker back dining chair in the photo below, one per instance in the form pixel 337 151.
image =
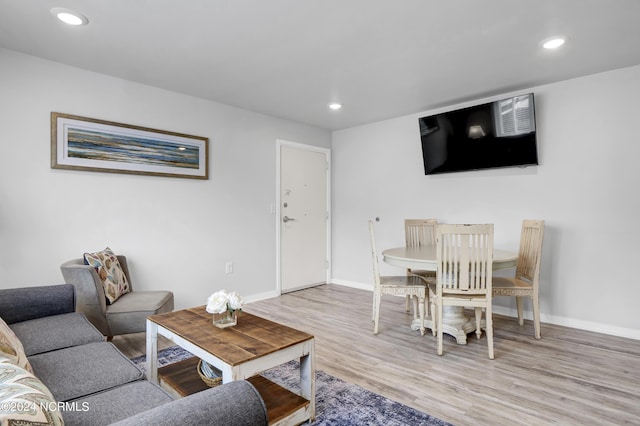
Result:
pixel 465 264
pixel 402 285
pixel 526 281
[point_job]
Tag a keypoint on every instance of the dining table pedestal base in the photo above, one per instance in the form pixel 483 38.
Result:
pixel 456 323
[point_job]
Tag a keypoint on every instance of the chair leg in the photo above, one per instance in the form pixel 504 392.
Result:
pixel 373 306
pixel 421 309
pixel 519 306
pixel 489 330
pixel 439 328
pixel 414 302
pixel 536 317
pixel 407 303
pixel 434 317
pixel 478 319
pixel 426 303
pixel 376 311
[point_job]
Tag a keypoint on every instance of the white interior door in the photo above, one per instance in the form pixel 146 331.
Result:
pixel 303 215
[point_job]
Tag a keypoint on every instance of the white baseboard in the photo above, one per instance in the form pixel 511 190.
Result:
pixel 573 323
pixel 261 296
pixel 353 284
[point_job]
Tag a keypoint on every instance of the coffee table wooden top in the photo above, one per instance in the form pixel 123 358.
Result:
pixel 251 338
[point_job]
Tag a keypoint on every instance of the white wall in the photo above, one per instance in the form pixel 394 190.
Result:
pixel 177 233
pixel 585 188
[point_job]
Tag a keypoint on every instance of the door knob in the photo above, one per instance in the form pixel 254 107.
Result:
pixel 287 219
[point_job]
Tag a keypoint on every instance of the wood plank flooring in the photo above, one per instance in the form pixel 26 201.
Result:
pixel 569 377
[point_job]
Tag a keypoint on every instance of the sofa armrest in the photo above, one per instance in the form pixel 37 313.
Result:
pixel 27 303
pixel 234 403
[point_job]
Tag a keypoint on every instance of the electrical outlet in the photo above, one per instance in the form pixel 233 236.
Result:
pixel 228 268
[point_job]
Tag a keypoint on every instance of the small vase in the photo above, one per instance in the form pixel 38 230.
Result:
pixel 225 319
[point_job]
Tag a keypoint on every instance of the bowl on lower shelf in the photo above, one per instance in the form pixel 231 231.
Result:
pixel 209 374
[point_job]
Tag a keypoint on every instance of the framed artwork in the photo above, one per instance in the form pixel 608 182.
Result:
pixel 81 143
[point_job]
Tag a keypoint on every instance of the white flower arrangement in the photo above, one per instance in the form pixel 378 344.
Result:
pixel 221 302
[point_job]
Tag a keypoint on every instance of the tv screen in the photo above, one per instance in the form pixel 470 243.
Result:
pixel 491 135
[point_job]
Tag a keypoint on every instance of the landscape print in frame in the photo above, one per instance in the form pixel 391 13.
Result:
pixel 82 143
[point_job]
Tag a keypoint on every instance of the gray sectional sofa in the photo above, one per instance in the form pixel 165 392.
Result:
pixel 94 383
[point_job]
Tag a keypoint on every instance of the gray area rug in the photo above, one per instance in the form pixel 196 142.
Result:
pixel 337 402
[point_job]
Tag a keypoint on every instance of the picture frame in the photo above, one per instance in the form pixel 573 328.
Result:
pixel 81 143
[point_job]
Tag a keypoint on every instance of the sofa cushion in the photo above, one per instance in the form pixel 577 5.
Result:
pixel 116 404
pixel 11 347
pixel 55 332
pixel 25 400
pixel 78 371
pixel 110 272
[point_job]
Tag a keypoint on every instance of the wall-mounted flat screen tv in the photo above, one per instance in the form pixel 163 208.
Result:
pixel 491 135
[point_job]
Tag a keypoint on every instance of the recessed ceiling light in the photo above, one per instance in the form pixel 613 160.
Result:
pixel 69 16
pixel 335 106
pixel 553 42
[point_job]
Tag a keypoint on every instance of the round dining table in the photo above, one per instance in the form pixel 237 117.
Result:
pixel 455 321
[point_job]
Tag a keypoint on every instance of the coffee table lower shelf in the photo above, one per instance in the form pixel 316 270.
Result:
pixel 283 406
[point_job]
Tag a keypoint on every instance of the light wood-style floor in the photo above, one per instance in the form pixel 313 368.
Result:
pixel 570 377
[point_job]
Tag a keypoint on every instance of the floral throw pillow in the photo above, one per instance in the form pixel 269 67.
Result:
pixel 24 399
pixel 110 272
pixel 11 347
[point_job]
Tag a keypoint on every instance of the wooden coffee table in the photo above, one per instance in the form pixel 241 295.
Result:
pixel 240 352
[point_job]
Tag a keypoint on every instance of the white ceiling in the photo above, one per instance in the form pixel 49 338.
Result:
pixel 290 58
